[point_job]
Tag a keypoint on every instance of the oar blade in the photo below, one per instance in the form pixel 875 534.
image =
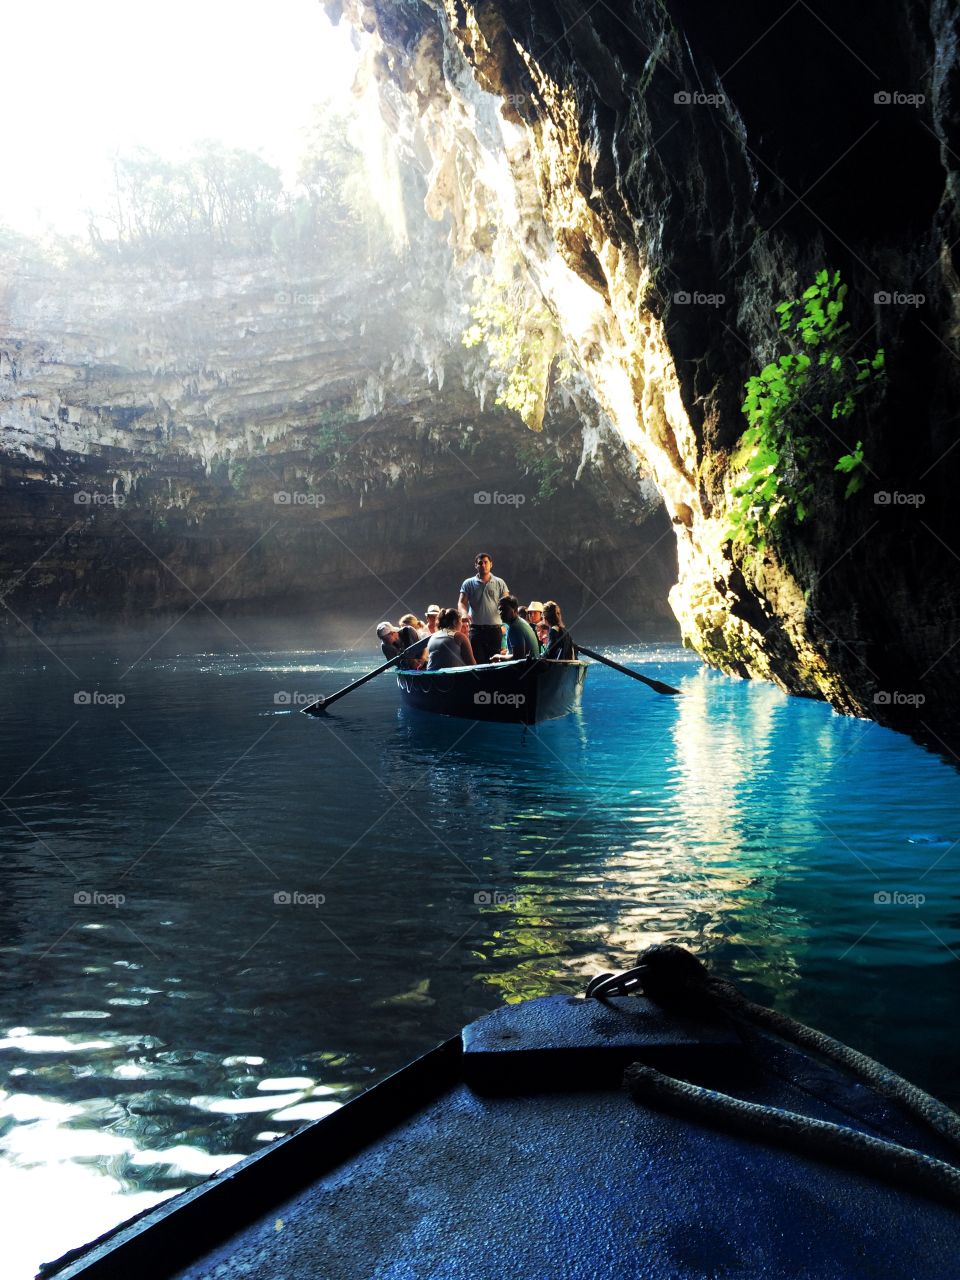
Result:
pixel 657 685
pixel 660 687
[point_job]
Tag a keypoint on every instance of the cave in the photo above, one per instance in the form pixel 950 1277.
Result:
pixel 646 194
pixel 657 303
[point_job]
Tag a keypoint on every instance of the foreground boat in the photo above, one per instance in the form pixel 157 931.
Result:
pixel 525 691
pixel 516 1151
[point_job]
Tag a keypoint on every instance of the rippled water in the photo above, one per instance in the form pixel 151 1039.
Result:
pixel 221 918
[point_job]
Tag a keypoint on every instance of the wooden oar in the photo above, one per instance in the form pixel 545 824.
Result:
pixel 656 685
pixel 321 704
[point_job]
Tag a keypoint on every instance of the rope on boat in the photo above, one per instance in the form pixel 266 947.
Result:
pixel 673 977
pixel 799 1133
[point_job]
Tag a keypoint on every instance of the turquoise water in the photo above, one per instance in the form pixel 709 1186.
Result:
pixel 220 918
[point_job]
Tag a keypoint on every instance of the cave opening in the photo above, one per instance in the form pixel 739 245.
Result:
pixel 251 329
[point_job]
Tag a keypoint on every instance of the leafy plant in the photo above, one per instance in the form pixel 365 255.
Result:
pixel 781 453
pixel 221 201
pixel 521 336
pixel 533 459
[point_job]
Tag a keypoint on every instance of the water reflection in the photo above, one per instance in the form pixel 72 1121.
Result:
pixel 356 888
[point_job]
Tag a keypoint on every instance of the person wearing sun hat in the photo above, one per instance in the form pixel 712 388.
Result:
pixel 394 640
pixel 432 617
pixel 535 618
pixel 388 633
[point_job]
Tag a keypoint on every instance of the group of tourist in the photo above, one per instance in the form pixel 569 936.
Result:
pixel 488 626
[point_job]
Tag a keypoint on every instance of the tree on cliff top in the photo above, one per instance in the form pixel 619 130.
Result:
pixel 220 199
pixel 223 202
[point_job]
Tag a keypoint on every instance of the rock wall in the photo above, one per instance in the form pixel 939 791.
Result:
pixel 671 172
pixel 290 439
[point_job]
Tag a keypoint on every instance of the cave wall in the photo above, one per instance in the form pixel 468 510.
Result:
pixel 671 172
pixel 290 440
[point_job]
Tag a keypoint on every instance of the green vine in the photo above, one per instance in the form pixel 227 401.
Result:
pixel 782 457
pixel 331 431
pixel 522 340
pixel 547 468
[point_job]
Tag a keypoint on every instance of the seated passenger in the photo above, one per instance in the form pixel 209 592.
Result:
pixel 415 660
pixel 449 647
pixel 393 641
pixel 534 615
pixel 521 638
pixel 389 637
pixel 411 620
pixel 430 623
pixel 559 644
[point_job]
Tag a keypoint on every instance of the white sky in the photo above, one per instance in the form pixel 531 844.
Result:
pixel 81 79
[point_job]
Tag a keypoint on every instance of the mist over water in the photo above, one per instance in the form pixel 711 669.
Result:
pixel 221 918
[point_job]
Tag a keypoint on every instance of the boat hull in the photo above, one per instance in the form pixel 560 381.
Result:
pixel 516 1151
pixel 522 692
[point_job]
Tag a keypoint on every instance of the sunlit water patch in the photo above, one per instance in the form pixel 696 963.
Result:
pixel 222 919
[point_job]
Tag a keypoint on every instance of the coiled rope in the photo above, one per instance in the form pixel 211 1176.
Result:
pixel 674 978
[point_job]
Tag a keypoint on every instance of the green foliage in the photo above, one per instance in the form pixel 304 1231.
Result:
pixel 521 337
pixel 335 208
pixel 851 464
pixel 222 202
pixel 219 199
pixel 781 452
pixel 537 458
pixel 331 430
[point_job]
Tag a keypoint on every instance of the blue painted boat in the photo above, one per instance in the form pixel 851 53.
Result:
pixel 516 1151
pixel 525 691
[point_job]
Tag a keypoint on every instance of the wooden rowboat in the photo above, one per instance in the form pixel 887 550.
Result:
pixel 522 692
pixel 516 1151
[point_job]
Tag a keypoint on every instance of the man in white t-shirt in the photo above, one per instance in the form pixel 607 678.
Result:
pixel 480 598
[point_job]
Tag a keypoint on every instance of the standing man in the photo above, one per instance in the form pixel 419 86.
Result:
pixel 479 597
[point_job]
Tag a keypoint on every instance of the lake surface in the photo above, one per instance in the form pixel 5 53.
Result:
pixel 220 918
